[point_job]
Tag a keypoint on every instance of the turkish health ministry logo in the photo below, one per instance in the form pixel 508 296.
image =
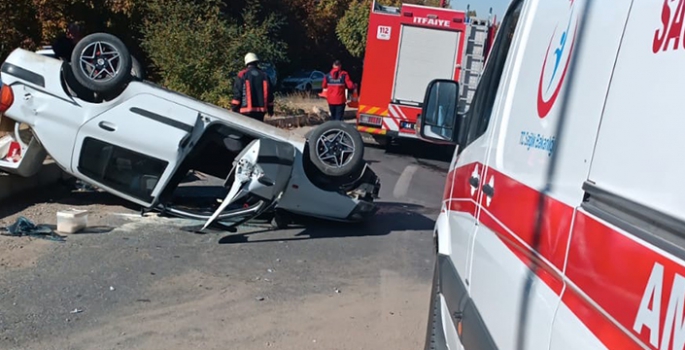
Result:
pixel 557 60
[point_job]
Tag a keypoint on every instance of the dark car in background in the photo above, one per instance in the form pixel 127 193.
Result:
pixel 270 70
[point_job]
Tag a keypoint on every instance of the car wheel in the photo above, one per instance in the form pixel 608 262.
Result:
pixel 336 149
pixel 280 220
pixel 137 69
pixel 102 63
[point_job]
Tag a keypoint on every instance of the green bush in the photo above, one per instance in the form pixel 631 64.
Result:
pixel 197 50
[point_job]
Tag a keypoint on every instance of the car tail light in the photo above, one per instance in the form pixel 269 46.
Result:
pixel 370 119
pixel 6 98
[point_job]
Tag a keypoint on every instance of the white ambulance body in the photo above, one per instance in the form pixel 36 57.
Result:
pixel 606 269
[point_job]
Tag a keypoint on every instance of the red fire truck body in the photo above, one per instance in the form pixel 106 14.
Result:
pixel 406 48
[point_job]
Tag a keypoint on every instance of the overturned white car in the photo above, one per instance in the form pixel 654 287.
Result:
pixel 139 141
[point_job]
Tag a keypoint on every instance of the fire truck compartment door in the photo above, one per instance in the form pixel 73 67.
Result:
pixel 424 54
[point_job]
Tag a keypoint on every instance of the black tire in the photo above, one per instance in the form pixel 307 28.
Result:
pixel 137 69
pixel 381 140
pixel 123 64
pixel 351 164
pixel 76 89
pixel 392 145
pixel 308 88
pixel 280 220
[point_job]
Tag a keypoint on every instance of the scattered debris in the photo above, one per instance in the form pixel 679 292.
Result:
pixel 111 288
pixel 24 227
pixel 337 291
pixel 278 260
pixel 76 311
pixel 269 270
pixel 260 298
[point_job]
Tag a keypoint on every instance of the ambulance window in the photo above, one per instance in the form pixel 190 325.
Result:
pixel 479 113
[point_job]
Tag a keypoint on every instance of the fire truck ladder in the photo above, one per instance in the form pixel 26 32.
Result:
pixel 474 61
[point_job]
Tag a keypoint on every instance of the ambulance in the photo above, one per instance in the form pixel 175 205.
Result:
pixel 406 48
pixel 563 219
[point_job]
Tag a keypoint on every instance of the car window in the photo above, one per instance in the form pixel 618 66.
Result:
pixel 123 170
pixel 478 115
pixel 317 75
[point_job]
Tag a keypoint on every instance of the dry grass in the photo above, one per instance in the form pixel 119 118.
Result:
pixel 298 104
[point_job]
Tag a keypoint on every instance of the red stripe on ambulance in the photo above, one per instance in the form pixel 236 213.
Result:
pixel 639 290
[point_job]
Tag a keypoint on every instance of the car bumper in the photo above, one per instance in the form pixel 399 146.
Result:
pixel 362 212
pixel 366 191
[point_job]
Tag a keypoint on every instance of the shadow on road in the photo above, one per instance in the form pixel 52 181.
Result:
pixel 62 193
pixel 92 230
pixel 390 217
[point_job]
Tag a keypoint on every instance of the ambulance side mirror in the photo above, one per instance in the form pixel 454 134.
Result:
pixel 439 120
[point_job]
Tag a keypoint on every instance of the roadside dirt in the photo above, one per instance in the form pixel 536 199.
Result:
pixel 22 252
pixel 230 317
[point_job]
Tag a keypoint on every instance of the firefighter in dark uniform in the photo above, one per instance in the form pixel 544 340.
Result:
pixel 253 94
pixel 335 83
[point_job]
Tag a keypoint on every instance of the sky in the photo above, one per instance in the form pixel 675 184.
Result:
pixel 483 6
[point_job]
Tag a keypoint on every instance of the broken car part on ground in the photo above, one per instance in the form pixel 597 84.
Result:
pixel 139 141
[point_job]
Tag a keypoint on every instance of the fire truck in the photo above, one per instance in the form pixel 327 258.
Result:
pixel 406 48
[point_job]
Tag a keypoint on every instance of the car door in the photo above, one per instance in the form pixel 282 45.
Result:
pixel 133 149
pixel 317 80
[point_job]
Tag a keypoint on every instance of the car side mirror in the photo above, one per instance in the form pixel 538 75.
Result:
pixel 440 120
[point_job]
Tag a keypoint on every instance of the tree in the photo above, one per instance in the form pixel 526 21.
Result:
pixel 198 50
pixel 18 27
pixel 353 26
pixel 29 23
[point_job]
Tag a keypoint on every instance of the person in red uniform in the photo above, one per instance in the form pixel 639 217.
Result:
pixel 335 83
pixel 253 95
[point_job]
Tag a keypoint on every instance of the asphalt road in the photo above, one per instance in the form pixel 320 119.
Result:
pixel 145 283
